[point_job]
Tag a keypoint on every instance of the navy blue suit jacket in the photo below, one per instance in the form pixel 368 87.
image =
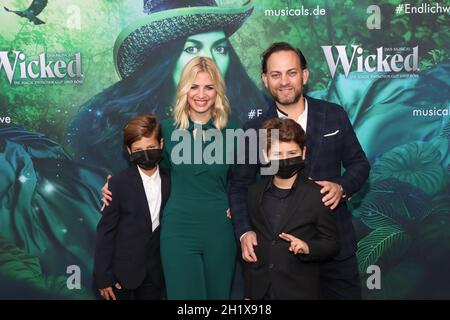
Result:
pixel 126 249
pixel 331 144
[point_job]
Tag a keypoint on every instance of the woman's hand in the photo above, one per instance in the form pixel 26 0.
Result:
pixel 107 195
pixel 297 245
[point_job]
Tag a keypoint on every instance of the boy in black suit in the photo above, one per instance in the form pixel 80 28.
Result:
pixel 127 258
pixel 295 231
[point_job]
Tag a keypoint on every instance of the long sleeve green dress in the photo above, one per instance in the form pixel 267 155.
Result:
pixel 198 247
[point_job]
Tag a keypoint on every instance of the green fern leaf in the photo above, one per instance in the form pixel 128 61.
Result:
pixel 381 242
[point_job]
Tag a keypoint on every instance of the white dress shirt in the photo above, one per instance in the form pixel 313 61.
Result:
pixel 302 119
pixel 152 187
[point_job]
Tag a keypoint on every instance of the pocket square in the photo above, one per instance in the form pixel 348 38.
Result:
pixel 331 134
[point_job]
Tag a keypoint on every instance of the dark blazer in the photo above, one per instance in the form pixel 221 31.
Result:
pixel 331 143
pixel 126 249
pixel 290 276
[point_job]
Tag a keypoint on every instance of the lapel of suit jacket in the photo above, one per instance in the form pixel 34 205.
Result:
pixel 294 202
pixel 314 131
pixel 270 113
pixel 138 185
pixel 262 214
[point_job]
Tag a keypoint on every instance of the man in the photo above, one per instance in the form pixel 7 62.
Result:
pixel 331 143
pixel 295 230
pixel 127 256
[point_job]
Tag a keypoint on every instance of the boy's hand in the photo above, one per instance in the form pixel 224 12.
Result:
pixel 297 245
pixel 108 293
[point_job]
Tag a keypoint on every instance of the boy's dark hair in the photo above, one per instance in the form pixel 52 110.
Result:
pixel 145 125
pixel 281 46
pixel 288 131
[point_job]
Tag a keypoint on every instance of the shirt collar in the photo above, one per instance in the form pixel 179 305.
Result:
pixel 153 178
pixel 206 126
pixel 282 114
pixel 270 183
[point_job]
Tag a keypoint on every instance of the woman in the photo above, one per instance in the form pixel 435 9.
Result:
pixel 149 56
pixel 198 248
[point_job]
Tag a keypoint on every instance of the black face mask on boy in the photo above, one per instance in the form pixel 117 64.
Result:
pixel 287 168
pixel 146 159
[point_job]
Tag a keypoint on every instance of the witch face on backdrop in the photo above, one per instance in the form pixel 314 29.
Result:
pixel 213 44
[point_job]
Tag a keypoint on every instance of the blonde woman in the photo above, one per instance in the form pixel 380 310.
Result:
pixel 198 247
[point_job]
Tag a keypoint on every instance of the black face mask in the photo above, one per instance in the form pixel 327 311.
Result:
pixel 146 159
pixel 287 168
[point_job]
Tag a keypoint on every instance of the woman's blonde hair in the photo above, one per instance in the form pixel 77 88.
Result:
pixel 221 108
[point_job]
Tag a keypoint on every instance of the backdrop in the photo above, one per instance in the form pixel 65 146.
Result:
pixel 73 72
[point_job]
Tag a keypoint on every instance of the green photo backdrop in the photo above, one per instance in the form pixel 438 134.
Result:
pixel 60 135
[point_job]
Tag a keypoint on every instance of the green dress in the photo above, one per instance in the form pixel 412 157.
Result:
pixel 198 247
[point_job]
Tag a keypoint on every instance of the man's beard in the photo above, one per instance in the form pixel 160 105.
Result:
pixel 287 100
